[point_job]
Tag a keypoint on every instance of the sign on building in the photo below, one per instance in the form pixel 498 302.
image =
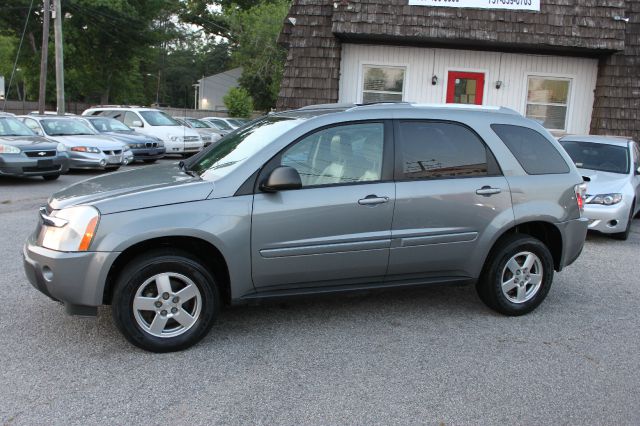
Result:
pixel 481 4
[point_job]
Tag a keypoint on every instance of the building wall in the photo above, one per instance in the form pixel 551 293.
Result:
pixel 214 87
pixel 511 69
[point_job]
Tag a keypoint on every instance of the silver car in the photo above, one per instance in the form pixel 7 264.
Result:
pixel 612 165
pixel 86 148
pixel 317 200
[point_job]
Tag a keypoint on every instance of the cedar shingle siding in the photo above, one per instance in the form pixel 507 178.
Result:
pixel 562 27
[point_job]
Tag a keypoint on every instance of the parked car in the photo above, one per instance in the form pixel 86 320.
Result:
pixel 177 138
pixel 316 201
pixel 612 165
pixel 207 132
pixel 23 153
pixel 143 147
pixel 86 148
pixel 218 123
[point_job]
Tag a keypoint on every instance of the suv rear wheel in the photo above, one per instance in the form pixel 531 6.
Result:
pixel 165 301
pixel 517 276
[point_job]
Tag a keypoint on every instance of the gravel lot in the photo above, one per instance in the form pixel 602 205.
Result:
pixel 425 356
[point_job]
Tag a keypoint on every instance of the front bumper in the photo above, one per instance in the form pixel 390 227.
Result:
pixel 607 219
pixel 19 165
pixel 86 160
pixel 147 153
pixel 183 147
pixel 72 278
pixel 574 233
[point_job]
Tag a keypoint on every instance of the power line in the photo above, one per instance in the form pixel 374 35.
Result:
pixel 15 63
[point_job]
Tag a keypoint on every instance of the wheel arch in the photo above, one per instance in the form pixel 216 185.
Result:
pixel 214 261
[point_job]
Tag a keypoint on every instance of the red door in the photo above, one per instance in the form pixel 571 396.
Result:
pixel 465 87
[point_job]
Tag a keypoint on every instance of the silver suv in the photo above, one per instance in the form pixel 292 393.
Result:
pixel 322 199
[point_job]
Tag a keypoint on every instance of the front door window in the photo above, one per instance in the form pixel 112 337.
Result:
pixel 465 87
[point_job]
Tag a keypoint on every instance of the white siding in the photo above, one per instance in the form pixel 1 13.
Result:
pixel 510 68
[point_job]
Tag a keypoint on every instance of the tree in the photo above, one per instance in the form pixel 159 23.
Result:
pixel 238 102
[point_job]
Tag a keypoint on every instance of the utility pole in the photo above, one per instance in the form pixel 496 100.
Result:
pixel 44 52
pixel 57 29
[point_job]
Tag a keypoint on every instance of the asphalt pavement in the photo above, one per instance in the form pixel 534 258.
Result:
pixel 433 355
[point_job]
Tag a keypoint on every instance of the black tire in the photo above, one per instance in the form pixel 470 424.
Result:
pixel 111 169
pixel 134 275
pixel 150 161
pixel 50 177
pixel 489 286
pixel 624 235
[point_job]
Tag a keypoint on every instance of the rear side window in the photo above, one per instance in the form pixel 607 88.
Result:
pixel 437 150
pixel 534 152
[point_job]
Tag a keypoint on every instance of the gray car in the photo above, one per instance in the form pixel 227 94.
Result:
pixel 612 165
pixel 317 200
pixel 23 153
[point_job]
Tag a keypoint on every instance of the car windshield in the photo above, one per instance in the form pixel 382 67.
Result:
pixel 598 156
pixel 238 146
pixel 220 124
pixel 236 122
pixel 10 126
pixel 108 125
pixel 158 118
pixel 197 124
pixel 65 127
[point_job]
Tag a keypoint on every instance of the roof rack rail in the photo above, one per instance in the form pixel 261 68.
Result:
pixel 327 106
pixel 116 106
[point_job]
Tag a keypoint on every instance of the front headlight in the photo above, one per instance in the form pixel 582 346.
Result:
pixel 61 148
pixel 70 229
pixel 176 138
pixel 9 149
pixel 606 199
pixel 90 149
pixel 127 148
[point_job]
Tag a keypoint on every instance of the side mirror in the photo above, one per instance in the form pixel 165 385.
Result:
pixel 136 123
pixel 638 170
pixel 282 178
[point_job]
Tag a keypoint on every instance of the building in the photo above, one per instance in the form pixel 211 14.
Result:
pixel 214 87
pixel 573 65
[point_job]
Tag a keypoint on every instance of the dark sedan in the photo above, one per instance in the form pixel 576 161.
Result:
pixel 145 148
pixel 23 153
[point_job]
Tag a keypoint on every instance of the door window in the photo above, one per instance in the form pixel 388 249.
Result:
pixel 338 155
pixel 465 88
pixel 436 150
pixel 130 117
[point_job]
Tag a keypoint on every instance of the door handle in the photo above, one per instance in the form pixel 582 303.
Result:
pixel 372 200
pixel 487 190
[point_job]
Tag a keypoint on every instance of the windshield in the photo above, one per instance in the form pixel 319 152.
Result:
pixel 197 124
pixel 65 127
pixel 236 122
pixel 108 125
pixel 598 156
pixel 158 118
pixel 239 146
pixel 220 124
pixel 10 126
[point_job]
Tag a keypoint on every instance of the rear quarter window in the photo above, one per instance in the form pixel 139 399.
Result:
pixel 535 153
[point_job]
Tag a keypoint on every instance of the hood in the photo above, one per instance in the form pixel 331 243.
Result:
pixel 604 182
pixel 130 137
pixel 98 141
pixel 134 189
pixel 29 142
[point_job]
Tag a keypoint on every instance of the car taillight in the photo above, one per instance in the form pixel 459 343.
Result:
pixel 581 190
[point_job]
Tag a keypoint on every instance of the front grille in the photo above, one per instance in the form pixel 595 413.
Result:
pixel 114 152
pixel 151 144
pixel 40 154
pixel 191 138
pixel 40 169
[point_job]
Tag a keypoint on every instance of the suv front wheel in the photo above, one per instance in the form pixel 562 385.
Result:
pixel 165 301
pixel 517 276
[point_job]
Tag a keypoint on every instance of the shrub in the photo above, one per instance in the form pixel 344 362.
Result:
pixel 238 102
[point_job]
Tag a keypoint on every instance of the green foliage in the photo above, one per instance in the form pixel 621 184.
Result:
pixel 238 102
pixel 255 35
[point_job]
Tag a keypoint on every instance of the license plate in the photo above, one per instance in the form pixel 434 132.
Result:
pixel 45 163
pixel 114 159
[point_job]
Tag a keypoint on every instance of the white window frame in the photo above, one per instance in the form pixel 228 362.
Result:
pixel 405 68
pixel 558 77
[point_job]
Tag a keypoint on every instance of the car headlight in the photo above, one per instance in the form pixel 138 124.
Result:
pixel 70 229
pixel 9 149
pixel 127 148
pixel 606 199
pixel 61 148
pixel 176 138
pixel 90 149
